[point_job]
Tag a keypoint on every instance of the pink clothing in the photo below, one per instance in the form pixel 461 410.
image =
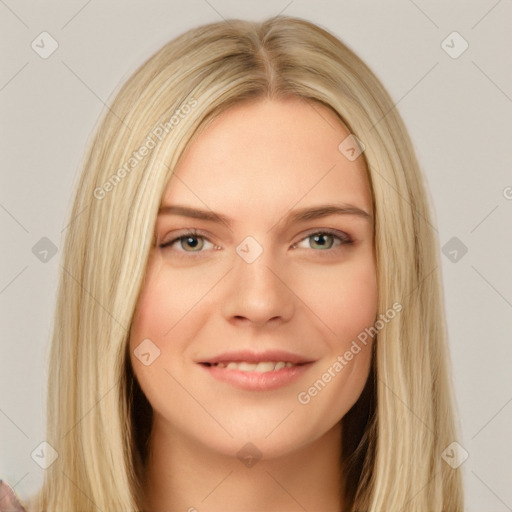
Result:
pixel 9 502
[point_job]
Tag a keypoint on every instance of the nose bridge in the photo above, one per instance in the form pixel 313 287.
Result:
pixel 257 291
pixel 258 261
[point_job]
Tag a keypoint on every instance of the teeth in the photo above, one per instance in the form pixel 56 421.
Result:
pixel 246 367
pixel 262 367
pixel 265 367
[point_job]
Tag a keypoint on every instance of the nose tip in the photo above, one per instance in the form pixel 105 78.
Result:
pixel 256 294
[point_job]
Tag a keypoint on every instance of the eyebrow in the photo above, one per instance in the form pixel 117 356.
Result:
pixel 300 215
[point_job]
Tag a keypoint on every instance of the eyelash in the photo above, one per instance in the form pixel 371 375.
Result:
pixel 343 238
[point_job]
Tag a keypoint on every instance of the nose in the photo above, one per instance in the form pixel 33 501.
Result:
pixel 257 293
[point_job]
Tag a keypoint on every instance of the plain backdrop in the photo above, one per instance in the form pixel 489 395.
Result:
pixel 457 107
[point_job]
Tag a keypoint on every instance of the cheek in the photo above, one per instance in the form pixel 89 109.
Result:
pixel 346 301
pixel 168 316
pixel 156 313
pixel 163 303
pixel 347 305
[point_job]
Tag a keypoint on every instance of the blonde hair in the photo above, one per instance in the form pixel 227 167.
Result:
pixel 98 419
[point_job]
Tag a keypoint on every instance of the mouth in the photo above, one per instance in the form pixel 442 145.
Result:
pixel 261 367
pixel 256 371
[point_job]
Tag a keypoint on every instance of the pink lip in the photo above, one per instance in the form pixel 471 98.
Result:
pixel 257 381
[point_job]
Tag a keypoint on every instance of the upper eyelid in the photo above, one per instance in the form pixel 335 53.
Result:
pixel 185 232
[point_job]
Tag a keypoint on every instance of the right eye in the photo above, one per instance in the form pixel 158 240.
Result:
pixel 188 240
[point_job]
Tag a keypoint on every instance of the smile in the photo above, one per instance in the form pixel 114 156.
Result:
pixel 261 367
pixel 264 371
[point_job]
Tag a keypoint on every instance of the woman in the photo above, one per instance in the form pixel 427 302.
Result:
pixel 250 313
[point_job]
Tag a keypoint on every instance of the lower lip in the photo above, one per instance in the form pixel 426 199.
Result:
pixel 257 381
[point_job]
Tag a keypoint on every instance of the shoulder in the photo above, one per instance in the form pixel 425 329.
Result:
pixel 9 502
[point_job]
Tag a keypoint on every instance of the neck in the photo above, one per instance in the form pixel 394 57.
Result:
pixel 183 475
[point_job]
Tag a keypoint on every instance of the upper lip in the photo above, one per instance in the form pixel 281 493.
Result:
pixel 257 357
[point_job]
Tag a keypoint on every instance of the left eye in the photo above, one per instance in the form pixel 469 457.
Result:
pixel 325 240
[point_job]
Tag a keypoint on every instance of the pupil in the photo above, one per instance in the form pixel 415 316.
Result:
pixel 192 241
pixel 318 240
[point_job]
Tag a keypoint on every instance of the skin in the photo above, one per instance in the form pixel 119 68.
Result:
pixel 255 164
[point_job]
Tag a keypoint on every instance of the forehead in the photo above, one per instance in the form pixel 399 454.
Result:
pixel 267 156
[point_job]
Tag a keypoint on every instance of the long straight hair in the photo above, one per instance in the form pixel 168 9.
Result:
pixel 98 419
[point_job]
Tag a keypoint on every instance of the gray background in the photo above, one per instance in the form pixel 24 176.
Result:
pixel 458 112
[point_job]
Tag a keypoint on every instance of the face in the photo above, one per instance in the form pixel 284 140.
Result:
pixel 262 277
